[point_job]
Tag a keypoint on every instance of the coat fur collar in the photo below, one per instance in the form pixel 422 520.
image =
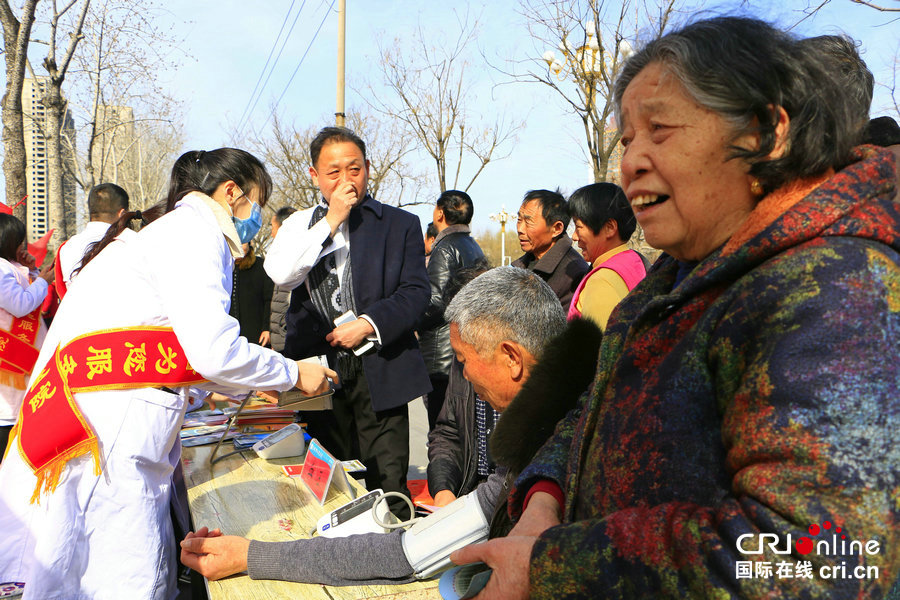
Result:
pixel 564 371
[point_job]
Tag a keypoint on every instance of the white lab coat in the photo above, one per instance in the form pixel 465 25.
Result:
pixel 111 536
pixel 72 252
pixel 18 298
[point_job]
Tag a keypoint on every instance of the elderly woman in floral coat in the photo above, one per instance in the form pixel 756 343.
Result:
pixel 741 430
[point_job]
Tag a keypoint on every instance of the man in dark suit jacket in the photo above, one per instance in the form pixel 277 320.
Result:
pixel 541 225
pixel 353 255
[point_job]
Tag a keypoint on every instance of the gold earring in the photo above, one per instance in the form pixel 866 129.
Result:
pixel 756 188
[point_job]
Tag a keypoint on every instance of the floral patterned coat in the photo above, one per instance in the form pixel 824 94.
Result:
pixel 761 395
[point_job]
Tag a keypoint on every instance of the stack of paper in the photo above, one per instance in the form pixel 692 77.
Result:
pixel 207 426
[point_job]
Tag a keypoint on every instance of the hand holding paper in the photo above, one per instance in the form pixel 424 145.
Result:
pixel 350 335
pixel 313 378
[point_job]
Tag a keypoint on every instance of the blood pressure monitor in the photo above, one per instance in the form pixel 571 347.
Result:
pixel 355 517
pixel 287 441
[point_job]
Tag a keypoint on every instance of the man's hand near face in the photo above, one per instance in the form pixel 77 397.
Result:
pixel 343 198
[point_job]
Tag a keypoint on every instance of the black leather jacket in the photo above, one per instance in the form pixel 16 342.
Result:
pixel 564 370
pixel 452 455
pixel 453 249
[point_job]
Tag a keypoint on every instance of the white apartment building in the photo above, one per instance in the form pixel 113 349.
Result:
pixel 36 162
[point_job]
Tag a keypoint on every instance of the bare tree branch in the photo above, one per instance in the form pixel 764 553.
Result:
pixel 429 95
pixel 875 6
pixel 812 10
pixel 579 48
pixel 809 13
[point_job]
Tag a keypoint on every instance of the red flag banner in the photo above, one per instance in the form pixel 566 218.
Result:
pixel 38 249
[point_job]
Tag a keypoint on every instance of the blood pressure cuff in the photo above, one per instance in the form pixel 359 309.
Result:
pixel 429 543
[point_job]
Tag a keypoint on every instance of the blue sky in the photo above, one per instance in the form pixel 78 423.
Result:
pixel 229 46
pixel 226 43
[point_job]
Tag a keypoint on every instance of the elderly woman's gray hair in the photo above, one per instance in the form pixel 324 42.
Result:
pixel 506 303
pixel 848 68
pixel 742 69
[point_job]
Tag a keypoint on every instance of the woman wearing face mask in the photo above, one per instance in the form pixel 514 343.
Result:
pixel 87 481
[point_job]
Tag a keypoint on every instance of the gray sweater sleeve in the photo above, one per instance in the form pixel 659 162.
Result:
pixel 370 558
pixel 375 558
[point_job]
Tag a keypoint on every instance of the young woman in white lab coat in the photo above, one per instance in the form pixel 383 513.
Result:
pixel 110 536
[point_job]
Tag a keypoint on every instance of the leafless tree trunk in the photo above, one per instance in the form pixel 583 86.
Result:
pixel 430 97
pixel 87 182
pixel 16 35
pixel 55 108
pixel 128 134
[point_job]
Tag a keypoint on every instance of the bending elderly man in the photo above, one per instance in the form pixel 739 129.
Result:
pixel 505 327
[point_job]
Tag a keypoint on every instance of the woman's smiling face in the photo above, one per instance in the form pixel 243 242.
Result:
pixel 686 194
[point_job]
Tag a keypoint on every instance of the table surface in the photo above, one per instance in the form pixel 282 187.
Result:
pixel 251 497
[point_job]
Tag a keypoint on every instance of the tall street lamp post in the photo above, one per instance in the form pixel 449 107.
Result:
pixel 502 217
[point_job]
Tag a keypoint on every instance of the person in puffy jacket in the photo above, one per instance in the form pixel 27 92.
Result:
pixel 281 295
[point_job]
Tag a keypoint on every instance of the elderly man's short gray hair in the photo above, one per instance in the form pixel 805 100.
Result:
pixel 506 303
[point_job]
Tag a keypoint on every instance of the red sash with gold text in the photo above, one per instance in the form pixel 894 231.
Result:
pixel 51 430
pixel 17 351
